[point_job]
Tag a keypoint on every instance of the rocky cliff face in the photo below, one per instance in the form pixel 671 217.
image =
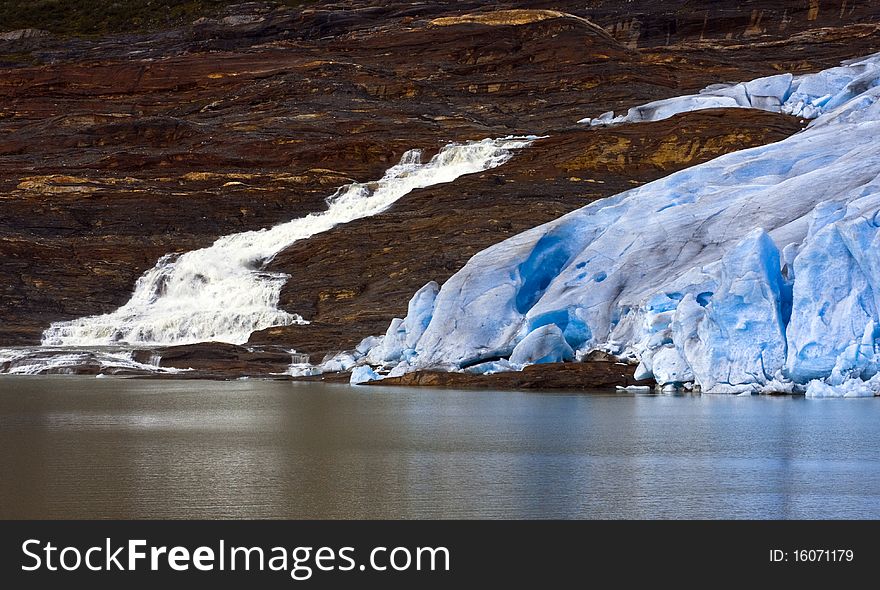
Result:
pixel 115 151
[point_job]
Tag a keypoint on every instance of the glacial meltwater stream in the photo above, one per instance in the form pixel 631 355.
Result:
pixel 222 293
pixel 79 447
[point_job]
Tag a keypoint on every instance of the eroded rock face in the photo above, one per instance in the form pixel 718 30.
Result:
pixel 647 23
pixel 116 151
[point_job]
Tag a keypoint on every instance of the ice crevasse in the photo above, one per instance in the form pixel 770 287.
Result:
pixel 756 271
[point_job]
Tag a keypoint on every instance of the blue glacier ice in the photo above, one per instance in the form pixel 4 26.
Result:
pixel 543 345
pixel 402 333
pixel 363 374
pixel 738 338
pixel 833 332
pixel 849 388
pixel 419 312
pixel 490 367
pixel 340 362
pixel 757 271
pixel 806 96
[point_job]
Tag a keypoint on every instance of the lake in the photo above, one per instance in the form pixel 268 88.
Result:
pixel 80 447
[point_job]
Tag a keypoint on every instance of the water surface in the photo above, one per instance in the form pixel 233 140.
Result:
pixel 77 447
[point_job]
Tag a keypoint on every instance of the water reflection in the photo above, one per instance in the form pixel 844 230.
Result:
pixel 86 448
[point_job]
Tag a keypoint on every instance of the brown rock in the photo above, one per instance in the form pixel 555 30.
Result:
pixel 593 375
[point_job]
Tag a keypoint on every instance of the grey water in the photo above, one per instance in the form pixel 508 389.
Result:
pixel 78 447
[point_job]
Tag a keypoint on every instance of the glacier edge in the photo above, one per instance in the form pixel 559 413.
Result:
pixel 727 274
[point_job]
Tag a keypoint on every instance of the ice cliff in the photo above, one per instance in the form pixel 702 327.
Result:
pixel 757 271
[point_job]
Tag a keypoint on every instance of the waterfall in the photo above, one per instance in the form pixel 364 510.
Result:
pixel 223 292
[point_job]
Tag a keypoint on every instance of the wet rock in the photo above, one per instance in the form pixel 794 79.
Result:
pixel 594 375
pixel 215 359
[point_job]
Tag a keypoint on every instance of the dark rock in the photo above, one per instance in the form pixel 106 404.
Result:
pixel 592 375
pixel 22 34
pixel 217 359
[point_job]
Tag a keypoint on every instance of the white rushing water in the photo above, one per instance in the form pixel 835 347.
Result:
pixel 222 292
pixel 49 360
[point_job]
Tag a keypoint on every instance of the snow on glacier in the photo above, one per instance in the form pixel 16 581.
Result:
pixel 222 292
pixel 757 271
pixel 805 96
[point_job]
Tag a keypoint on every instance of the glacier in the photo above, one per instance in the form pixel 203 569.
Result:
pixel 758 271
pixel 363 374
pixel 222 293
pixel 806 96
